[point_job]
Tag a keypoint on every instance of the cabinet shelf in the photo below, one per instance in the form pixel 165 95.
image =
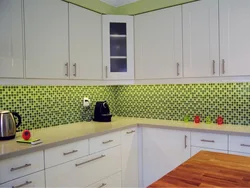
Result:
pixel 118 36
pixel 118 57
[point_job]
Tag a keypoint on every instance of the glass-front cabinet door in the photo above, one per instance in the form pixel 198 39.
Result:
pixel 118 47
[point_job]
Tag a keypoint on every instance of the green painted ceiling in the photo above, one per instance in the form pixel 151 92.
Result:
pixel 138 7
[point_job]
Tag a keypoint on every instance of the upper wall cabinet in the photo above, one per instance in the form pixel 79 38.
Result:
pixel 11 44
pixel 201 39
pixel 46 39
pixel 235 37
pixel 158 44
pixel 118 47
pixel 85 30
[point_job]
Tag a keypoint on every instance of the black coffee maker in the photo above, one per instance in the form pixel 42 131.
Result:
pixel 102 112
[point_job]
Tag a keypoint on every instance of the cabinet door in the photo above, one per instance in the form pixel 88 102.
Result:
pixel 200 39
pixel 130 173
pixel 46 39
pixel 163 150
pixel 85 29
pixel 11 46
pixel 158 44
pixel 33 180
pixel 234 37
pixel 118 47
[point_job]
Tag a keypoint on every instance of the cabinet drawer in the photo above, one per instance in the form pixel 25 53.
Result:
pixel 239 143
pixel 20 166
pixel 209 140
pixel 33 180
pixel 112 181
pixel 238 153
pixel 195 150
pixel 65 153
pixel 86 170
pixel 104 142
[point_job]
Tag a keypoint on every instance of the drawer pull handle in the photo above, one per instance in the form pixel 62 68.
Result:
pixel 207 140
pixel 22 185
pixel 90 160
pixel 107 141
pixel 129 132
pixel 102 185
pixel 185 142
pixel 17 168
pixel 67 153
pixel 245 145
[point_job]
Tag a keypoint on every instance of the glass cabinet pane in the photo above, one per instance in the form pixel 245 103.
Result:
pixel 118 29
pixel 118 65
pixel 118 46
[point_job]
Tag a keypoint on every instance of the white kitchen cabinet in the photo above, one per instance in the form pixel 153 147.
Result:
pixel 85 30
pixel 158 44
pixel 239 143
pixel 163 150
pixel 86 170
pixel 32 180
pixel 195 150
pixel 118 47
pixel 46 39
pixel 11 43
pixel 234 37
pixel 239 153
pixel 201 39
pixel 129 153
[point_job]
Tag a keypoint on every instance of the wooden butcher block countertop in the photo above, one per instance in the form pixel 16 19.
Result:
pixel 209 169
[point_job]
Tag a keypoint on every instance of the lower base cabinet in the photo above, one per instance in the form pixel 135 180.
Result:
pixel 112 181
pixel 163 150
pixel 32 180
pixel 195 150
pixel 85 171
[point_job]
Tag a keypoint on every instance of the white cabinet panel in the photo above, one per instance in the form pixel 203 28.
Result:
pixel 118 47
pixel 20 166
pixel 201 39
pixel 130 167
pixel 234 37
pixel 195 150
pixel 46 39
pixel 209 140
pixel 158 44
pixel 11 43
pixel 238 153
pixel 85 29
pixel 33 180
pixel 163 150
pixel 65 153
pixel 85 171
pixel 239 143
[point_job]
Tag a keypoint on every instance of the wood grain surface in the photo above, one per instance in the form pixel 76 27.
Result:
pixel 209 169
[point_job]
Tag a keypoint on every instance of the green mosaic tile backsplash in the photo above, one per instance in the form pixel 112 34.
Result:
pixel 44 106
pixel 173 102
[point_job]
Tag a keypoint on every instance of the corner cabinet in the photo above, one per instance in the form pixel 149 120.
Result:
pixel 118 47
pixel 11 39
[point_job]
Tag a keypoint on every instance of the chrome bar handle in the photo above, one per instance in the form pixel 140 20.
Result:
pixel 102 185
pixel 20 167
pixel 105 142
pixel 223 66
pixel 67 153
pixel 67 69
pixel 178 67
pixel 22 185
pixel 129 132
pixel 207 140
pixel 213 67
pixel 74 65
pixel 106 71
pixel 245 145
pixel 90 160
pixel 185 141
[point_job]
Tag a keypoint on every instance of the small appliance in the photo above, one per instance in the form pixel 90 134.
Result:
pixel 102 112
pixel 8 124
